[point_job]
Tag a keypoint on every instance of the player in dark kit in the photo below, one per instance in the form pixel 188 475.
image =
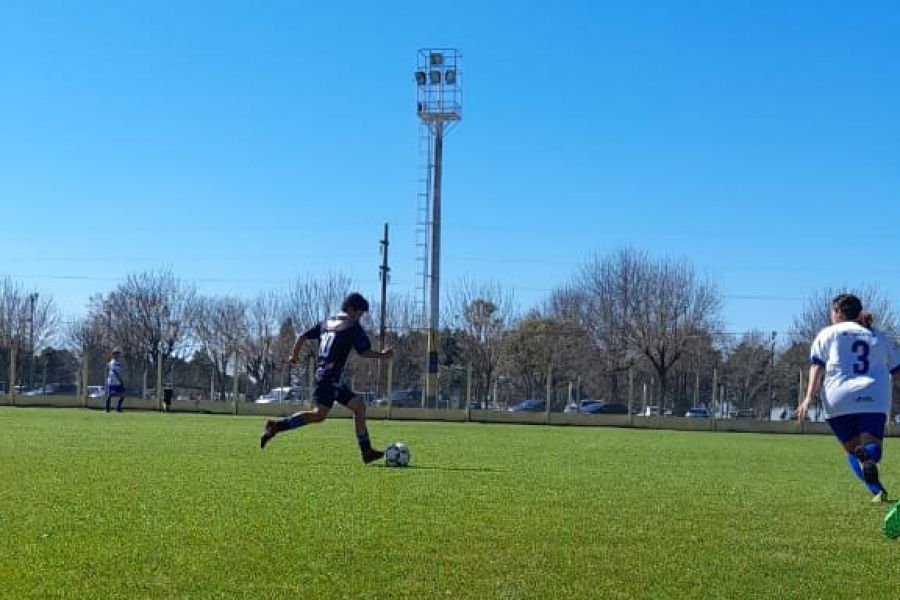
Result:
pixel 337 335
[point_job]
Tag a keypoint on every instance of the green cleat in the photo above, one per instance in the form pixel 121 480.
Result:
pixel 891 525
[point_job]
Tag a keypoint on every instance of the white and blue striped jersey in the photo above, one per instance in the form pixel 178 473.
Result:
pixel 858 363
pixel 114 373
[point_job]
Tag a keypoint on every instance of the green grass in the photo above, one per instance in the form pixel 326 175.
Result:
pixel 145 505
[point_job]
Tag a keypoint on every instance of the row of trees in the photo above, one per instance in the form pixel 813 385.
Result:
pixel 626 324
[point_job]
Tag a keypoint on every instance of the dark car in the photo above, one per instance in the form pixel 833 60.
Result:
pixel 604 408
pixel 529 406
pixel 577 407
pixel 697 413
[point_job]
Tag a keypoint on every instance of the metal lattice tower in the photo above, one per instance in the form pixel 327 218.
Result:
pixel 439 108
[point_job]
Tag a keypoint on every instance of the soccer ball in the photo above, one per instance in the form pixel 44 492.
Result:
pixel 396 455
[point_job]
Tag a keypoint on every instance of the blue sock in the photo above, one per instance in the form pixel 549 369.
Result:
pixel 856 467
pixel 873 449
pixel 292 422
pixel 364 442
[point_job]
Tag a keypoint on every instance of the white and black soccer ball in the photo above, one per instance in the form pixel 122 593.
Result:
pixel 396 455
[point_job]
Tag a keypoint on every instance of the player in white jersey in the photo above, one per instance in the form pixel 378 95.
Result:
pixel 853 363
pixel 115 385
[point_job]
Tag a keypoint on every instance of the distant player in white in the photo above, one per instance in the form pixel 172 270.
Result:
pixel 115 385
pixel 853 363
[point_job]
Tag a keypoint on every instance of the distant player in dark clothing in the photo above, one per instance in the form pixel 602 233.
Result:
pixel 337 335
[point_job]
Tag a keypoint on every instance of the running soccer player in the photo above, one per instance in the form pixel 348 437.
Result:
pixel 854 362
pixel 115 385
pixel 337 335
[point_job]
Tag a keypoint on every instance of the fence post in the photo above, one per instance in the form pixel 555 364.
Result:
pixel 84 379
pixel 311 380
pixel 390 385
pixel 12 375
pixel 159 391
pixel 235 380
pixel 549 389
pixel 630 397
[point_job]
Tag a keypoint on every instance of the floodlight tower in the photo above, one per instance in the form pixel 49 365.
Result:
pixel 439 107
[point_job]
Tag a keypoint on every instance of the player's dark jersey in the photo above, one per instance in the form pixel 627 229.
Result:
pixel 336 335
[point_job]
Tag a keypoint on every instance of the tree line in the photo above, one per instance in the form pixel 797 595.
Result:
pixel 627 325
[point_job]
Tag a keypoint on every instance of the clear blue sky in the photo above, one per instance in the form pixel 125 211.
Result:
pixel 243 144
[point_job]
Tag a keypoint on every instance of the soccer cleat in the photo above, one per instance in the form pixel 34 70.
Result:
pixel 371 455
pixel 269 432
pixel 891 525
pixel 881 497
pixel 869 468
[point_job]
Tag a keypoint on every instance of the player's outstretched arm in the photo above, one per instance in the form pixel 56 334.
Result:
pixel 295 351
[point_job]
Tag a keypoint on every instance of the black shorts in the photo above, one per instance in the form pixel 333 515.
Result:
pixel 328 392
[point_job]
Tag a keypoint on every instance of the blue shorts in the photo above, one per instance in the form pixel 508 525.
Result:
pixel 328 392
pixel 847 427
pixel 115 390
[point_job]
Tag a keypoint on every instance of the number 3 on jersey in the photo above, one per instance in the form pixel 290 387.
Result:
pixel 861 366
pixel 328 340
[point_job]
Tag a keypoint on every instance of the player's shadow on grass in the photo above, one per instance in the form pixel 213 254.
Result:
pixel 436 468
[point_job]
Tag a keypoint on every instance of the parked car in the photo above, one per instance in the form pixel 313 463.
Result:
pixel 605 408
pixel 529 406
pixel 280 395
pixel 96 391
pixel 408 398
pixel 53 389
pixel 742 413
pixel 697 413
pixel 577 407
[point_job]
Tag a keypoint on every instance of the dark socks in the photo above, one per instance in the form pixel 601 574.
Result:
pixel 364 444
pixel 292 422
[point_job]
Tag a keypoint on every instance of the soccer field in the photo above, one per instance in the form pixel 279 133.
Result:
pixel 146 505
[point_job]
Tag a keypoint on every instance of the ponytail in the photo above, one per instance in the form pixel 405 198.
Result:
pixel 866 319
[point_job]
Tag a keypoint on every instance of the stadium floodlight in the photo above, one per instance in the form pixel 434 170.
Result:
pixel 439 108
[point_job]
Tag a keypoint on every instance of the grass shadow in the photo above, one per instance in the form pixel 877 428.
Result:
pixel 435 468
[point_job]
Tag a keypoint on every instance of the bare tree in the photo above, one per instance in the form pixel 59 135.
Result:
pixel 408 342
pixel 748 370
pixel 259 347
pixel 482 313
pixel 602 299
pixel 147 316
pixel 87 339
pixel 312 299
pixel 220 326
pixel 539 352
pixel 816 313
pixel 29 320
pixel 672 304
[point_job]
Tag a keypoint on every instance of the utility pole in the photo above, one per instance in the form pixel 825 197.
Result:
pixel 771 373
pixel 32 298
pixel 384 274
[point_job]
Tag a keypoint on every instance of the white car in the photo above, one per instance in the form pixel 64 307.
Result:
pixel 279 395
pixel 96 391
